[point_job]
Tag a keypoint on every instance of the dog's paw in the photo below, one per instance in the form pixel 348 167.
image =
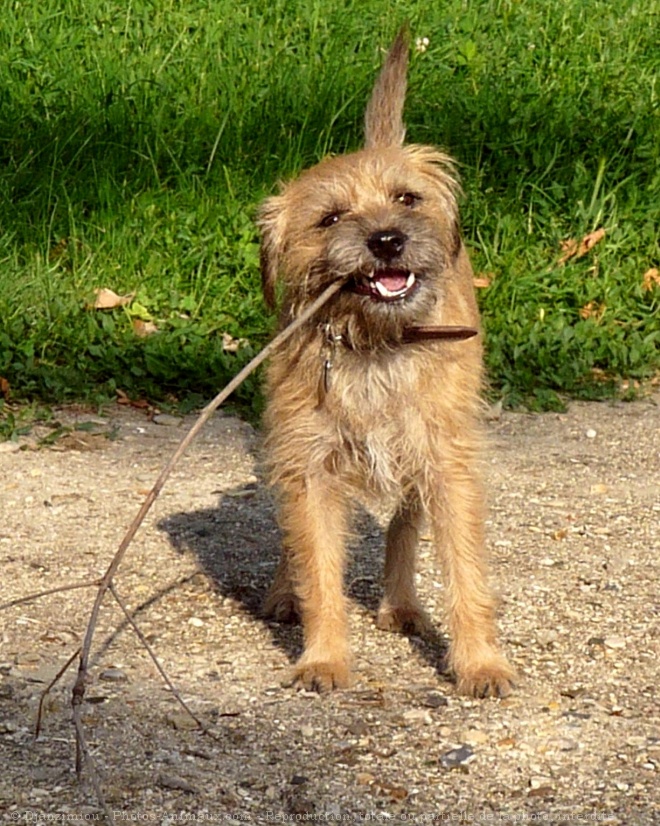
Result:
pixel 408 619
pixel 321 676
pixel 282 607
pixel 495 678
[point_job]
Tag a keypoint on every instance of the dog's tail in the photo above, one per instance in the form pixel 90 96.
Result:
pixel 384 116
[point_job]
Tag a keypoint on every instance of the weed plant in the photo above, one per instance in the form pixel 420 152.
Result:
pixel 136 139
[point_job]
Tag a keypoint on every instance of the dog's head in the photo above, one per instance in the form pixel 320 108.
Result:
pixel 383 219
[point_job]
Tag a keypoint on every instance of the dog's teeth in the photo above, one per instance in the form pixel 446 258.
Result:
pixel 410 281
pixel 382 289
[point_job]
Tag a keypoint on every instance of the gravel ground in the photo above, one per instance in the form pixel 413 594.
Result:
pixel 574 538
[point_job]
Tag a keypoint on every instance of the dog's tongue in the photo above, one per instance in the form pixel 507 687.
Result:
pixel 392 280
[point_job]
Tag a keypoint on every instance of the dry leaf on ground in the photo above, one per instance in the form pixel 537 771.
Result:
pixel 593 309
pixel 577 249
pixel 108 299
pixel 5 389
pixel 651 279
pixel 231 345
pixel 483 280
pixel 138 404
pixel 143 328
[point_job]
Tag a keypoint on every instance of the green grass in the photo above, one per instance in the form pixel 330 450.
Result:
pixel 137 138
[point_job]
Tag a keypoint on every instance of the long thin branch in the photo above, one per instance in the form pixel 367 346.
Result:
pixel 83 755
pixel 60 588
pixel 78 691
pixel 46 691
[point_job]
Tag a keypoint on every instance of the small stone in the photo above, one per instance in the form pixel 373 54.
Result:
pixel 417 715
pixel 590 433
pixel 435 700
pixel 8 727
pixel 566 744
pixel 457 758
pixel 540 782
pixel 196 622
pixel 475 737
pixel 298 780
pixel 307 731
pixel 358 729
pixel 181 721
pixel 547 636
pixel 171 781
pixel 9 447
pixel 615 642
pixel 364 779
pixel 636 741
pixel 542 791
pixel 548 562
pixel 622 787
pixel 113 675
pixel 166 420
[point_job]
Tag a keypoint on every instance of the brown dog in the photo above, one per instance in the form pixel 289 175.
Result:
pixel 365 402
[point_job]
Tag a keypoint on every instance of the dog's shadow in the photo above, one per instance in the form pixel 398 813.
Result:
pixel 237 546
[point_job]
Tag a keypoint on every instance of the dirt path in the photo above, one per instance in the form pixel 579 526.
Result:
pixel 574 535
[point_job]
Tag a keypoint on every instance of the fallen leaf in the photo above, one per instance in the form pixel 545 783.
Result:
pixel 574 249
pixel 568 248
pixel 592 310
pixel 108 299
pixel 231 345
pixel 483 280
pixel 562 533
pixel 140 404
pixel 142 329
pixel 651 279
pixel 4 388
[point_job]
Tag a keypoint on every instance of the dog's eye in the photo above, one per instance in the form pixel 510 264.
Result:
pixel 330 219
pixel 408 199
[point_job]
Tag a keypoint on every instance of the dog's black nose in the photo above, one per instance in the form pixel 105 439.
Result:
pixel 387 244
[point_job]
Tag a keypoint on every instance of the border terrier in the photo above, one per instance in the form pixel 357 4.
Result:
pixel 368 402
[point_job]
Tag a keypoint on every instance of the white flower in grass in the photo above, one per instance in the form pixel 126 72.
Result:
pixel 421 44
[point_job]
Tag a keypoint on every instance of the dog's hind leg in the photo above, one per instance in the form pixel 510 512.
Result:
pixel 400 609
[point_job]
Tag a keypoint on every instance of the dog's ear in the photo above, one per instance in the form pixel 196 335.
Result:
pixel 272 227
pixel 384 116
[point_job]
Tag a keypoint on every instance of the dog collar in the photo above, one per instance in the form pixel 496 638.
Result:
pixel 437 333
pixel 411 335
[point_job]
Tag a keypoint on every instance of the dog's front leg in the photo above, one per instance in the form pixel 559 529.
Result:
pixel 313 518
pixel 457 514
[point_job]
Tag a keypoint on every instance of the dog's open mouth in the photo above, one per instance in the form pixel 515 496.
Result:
pixel 385 284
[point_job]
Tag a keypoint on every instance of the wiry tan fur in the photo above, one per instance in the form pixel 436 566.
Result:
pixel 387 420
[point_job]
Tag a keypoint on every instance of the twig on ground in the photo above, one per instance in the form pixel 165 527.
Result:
pixel 83 756
pixel 30 597
pixel 46 691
